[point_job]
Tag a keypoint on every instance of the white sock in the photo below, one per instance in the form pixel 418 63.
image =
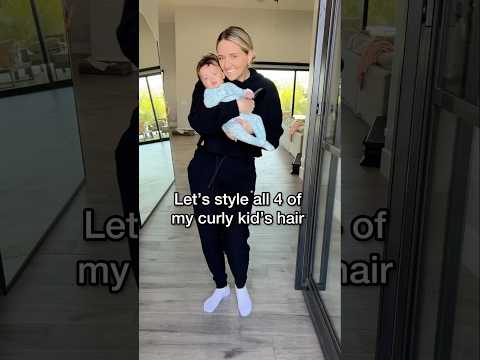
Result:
pixel 243 301
pixel 215 299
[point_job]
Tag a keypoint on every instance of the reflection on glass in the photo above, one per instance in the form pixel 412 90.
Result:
pixel 20 65
pixel 332 279
pixel 381 13
pixel 465 286
pixel 352 15
pixel 461 49
pixel 50 13
pixel 466 318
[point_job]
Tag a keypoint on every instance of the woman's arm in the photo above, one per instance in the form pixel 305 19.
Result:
pixel 209 120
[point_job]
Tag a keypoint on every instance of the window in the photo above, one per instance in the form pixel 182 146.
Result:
pixel 292 86
pixel 152 122
pixel 33 45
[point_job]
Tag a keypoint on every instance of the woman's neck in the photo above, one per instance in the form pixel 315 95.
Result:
pixel 244 76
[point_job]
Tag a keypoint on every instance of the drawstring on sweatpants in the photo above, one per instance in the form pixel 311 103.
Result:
pixel 218 164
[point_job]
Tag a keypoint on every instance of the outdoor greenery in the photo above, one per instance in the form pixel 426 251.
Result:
pixel 146 114
pixel 283 80
pixel 380 12
pixel 16 19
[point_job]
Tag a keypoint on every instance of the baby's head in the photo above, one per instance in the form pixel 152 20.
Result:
pixel 209 71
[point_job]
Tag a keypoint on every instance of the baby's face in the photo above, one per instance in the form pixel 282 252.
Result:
pixel 211 76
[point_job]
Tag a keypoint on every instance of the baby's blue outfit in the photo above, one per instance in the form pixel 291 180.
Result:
pixel 229 92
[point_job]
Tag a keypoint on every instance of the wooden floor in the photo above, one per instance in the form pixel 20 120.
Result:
pixel 46 315
pixel 175 280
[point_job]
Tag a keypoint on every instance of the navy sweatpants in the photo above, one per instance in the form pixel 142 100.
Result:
pixel 215 174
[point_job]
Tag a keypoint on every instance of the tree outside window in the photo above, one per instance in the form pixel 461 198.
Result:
pixel 153 124
pixel 288 84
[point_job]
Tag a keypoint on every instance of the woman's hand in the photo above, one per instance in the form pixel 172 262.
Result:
pixel 246 125
pixel 245 106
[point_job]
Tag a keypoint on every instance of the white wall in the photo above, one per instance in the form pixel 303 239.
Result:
pixel 150 10
pixel 168 64
pixel 281 36
pixel 147 45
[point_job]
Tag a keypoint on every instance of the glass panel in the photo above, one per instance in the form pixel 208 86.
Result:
pixel 155 82
pixel 461 49
pixel 42 163
pixel 301 94
pixel 381 13
pixel 465 343
pixel 148 129
pixel 283 80
pixel 352 15
pixel 449 265
pixel 21 64
pixel 434 238
pixel 51 18
pixel 328 250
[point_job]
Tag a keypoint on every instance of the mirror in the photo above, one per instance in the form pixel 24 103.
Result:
pixel 156 173
pixel 42 164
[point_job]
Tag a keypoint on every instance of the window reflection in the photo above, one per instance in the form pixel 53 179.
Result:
pixel 24 25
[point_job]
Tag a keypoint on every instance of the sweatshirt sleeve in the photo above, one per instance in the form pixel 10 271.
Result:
pixel 209 120
pixel 233 90
pixel 273 117
pixel 211 97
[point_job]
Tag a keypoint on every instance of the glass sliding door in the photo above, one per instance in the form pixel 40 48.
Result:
pixel 319 259
pixel 447 322
pixel 431 310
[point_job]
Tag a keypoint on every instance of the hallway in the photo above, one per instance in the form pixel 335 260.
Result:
pixel 175 280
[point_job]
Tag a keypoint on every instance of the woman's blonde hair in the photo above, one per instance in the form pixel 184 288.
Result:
pixel 239 36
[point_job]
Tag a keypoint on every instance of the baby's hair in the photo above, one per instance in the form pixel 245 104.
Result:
pixel 209 59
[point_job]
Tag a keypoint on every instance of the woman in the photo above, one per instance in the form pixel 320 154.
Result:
pixel 222 165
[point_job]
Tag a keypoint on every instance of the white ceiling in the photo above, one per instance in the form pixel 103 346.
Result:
pixel 167 7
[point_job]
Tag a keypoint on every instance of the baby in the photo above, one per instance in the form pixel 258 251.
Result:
pixel 216 91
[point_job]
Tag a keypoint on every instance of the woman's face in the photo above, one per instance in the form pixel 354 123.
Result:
pixel 233 60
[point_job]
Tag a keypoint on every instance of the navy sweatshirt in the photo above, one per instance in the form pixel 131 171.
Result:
pixel 208 122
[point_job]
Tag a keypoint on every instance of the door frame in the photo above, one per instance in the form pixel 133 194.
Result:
pixel 411 162
pixel 326 17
